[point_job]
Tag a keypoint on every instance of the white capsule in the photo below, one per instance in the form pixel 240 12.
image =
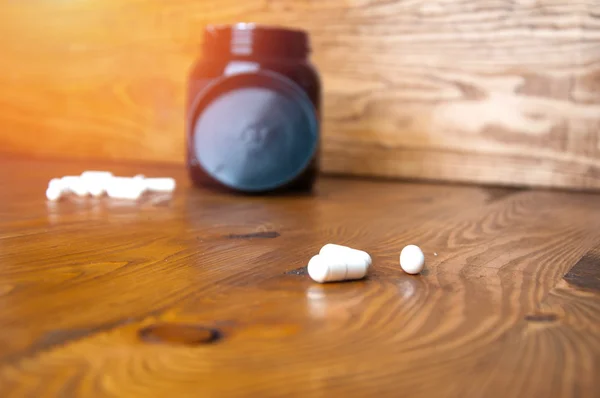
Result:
pixel 333 250
pixel 125 188
pixel 159 184
pixel 74 184
pixel 96 182
pixel 412 259
pixel 322 268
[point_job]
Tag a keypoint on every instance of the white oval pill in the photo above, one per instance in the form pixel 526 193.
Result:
pixel 125 188
pixel 75 184
pixel 323 268
pixel 160 184
pixel 331 249
pixel 57 183
pixel 412 259
pixel 56 188
pixel 96 181
pixel 53 193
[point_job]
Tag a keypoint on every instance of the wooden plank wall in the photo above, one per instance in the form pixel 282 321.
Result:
pixel 492 91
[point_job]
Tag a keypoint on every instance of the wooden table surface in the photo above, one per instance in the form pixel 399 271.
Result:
pixel 204 294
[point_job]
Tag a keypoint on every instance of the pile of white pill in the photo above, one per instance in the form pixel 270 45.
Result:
pixel 98 183
pixel 336 263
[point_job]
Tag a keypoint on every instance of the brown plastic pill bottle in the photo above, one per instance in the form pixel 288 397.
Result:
pixel 253 111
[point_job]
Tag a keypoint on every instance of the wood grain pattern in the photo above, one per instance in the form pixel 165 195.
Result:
pixel 491 91
pixel 202 293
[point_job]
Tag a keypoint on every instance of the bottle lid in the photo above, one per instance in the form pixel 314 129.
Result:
pixel 250 40
pixel 254 132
